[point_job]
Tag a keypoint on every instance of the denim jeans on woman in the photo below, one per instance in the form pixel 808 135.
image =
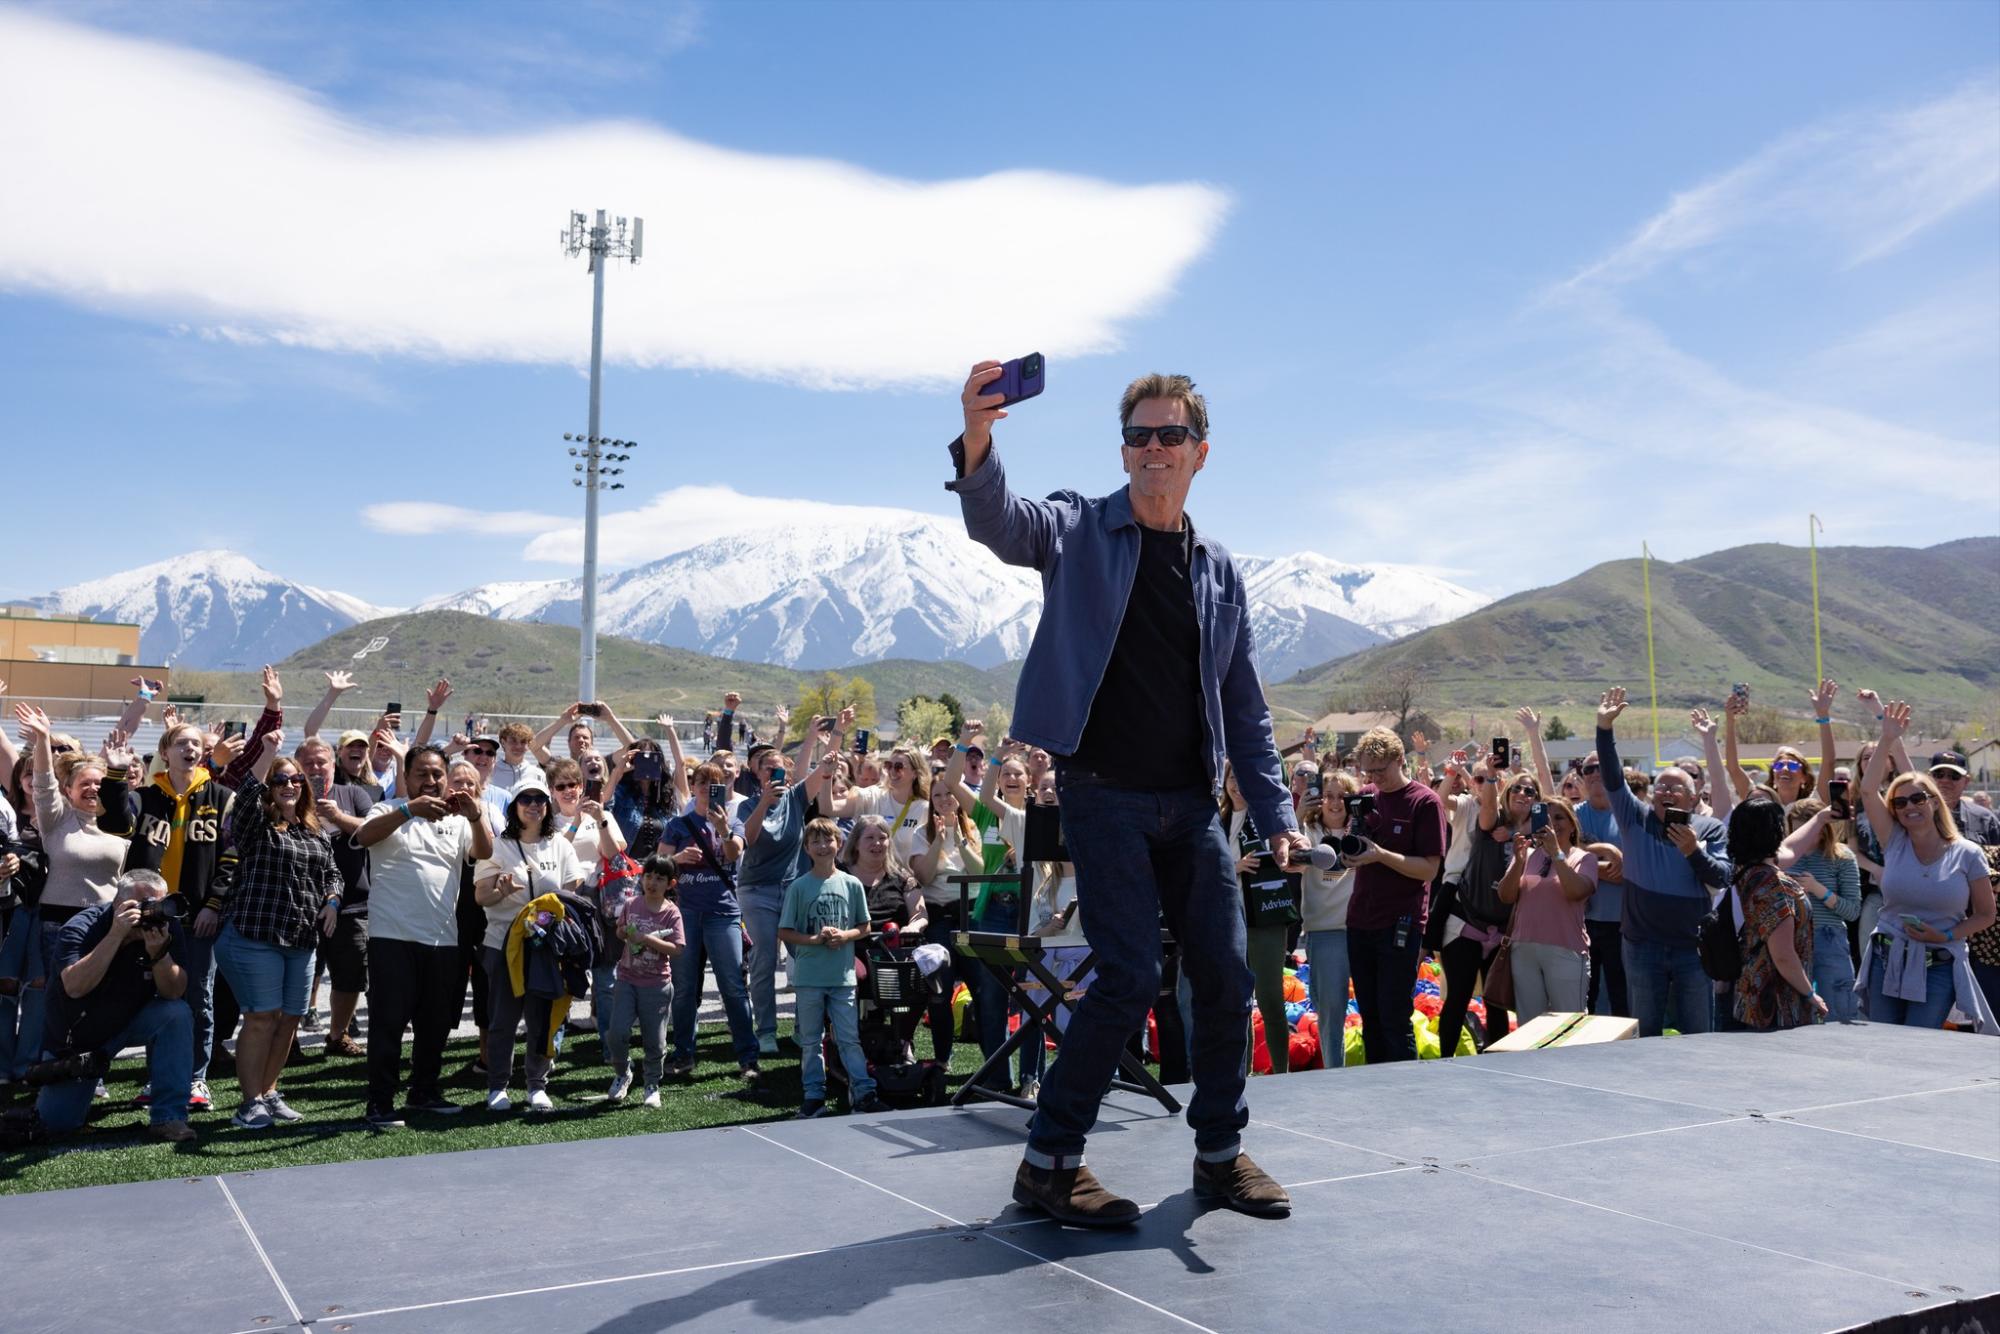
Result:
pixel 1326 985
pixel 761 904
pixel 1930 1012
pixel 21 1007
pixel 1140 855
pixel 1668 988
pixel 716 939
pixel 1833 971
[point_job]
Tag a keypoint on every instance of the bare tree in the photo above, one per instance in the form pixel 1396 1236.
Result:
pixel 1401 690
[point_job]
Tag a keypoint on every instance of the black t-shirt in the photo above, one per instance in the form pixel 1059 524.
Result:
pixel 354 800
pixel 893 900
pixel 1146 728
pixel 89 1021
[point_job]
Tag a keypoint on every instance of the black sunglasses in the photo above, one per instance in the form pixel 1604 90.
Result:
pixel 531 799
pixel 1173 437
pixel 286 780
pixel 487 751
pixel 1587 768
pixel 1914 799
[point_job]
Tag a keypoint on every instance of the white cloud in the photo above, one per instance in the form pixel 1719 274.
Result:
pixel 419 518
pixel 178 185
pixel 1868 182
pixel 687 516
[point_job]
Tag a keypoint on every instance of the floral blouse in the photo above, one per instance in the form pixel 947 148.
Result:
pixel 1772 901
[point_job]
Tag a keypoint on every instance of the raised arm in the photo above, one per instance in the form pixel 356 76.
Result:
pixel 434 699
pixel 1804 839
pixel 1895 718
pixel 143 692
pixel 612 721
pixel 10 754
pixel 270 720
pixel 540 744
pixel 1531 723
pixel 954 770
pixel 1721 799
pixel 1822 702
pixel 1017 530
pixel 677 771
pixel 50 805
pixel 1732 762
pixel 1631 815
pixel 337 684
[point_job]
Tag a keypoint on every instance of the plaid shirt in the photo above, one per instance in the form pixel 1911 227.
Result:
pixel 283 876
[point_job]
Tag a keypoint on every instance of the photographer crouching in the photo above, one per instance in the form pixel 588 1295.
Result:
pixel 121 978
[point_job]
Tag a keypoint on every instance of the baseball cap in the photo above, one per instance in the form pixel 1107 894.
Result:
pixel 1949 759
pixel 350 736
pixel 531 785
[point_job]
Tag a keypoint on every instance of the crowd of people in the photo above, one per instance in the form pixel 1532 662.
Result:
pixel 179 899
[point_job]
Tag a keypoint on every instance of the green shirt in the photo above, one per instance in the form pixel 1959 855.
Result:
pixel 1000 833
pixel 811 903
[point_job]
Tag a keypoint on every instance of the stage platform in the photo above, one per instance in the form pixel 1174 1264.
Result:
pixel 1806 1181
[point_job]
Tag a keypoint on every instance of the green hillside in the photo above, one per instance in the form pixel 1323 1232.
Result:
pixel 518 667
pixel 1922 625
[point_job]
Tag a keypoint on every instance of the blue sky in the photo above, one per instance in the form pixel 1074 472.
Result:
pixel 1601 272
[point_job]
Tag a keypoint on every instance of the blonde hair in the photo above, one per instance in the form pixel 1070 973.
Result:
pixel 520 732
pixel 1331 781
pixel 892 857
pixel 1807 783
pixel 1378 744
pixel 73 762
pixel 1178 388
pixel 1804 809
pixel 1941 816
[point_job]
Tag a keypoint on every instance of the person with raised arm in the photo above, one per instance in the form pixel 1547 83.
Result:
pixel 1936 894
pixel 772 828
pixel 1674 860
pixel 1142 680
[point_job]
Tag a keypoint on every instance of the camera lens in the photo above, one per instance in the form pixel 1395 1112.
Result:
pixel 1031 366
pixel 1351 845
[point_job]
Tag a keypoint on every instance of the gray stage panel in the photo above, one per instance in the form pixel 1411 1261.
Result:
pixel 1449 1110
pixel 1921 1219
pixel 126 1257
pixel 1771 1072
pixel 1435 1249
pixel 1961 1120
pixel 459 1224
pixel 960 1282
pixel 963 1163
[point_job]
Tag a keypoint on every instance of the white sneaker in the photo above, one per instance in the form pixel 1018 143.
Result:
pixel 620 1086
pixel 538 1101
pixel 652 1096
pixel 498 1101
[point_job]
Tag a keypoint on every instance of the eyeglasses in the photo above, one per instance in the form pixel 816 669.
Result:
pixel 285 780
pixel 568 787
pixel 1528 790
pixel 1481 779
pixel 893 765
pixel 61 749
pixel 531 799
pixel 1914 799
pixel 1786 767
pixel 1588 769
pixel 1173 437
pixel 487 751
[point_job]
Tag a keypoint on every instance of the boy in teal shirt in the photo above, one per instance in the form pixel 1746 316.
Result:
pixel 825 912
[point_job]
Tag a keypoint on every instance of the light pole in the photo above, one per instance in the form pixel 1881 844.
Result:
pixel 602 242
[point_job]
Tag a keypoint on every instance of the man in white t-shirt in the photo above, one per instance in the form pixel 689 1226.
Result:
pixel 417 846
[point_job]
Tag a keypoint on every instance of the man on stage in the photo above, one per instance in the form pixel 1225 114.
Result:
pixel 1140 680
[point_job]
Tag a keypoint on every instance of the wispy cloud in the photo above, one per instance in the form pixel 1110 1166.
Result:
pixel 1866 182
pixel 197 189
pixel 674 520
pixel 1587 421
pixel 423 518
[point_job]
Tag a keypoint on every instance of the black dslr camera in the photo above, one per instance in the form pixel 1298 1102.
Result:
pixel 70 1066
pixel 1360 805
pixel 158 914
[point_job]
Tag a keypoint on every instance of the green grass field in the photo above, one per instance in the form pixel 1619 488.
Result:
pixel 112 1148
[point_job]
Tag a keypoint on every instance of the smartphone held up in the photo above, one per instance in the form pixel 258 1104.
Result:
pixel 1023 377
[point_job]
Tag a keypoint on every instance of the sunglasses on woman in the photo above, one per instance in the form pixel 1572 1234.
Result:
pixel 1787 767
pixel 531 799
pixel 1914 799
pixel 286 780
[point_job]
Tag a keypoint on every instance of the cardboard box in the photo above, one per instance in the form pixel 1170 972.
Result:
pixel 1566 1029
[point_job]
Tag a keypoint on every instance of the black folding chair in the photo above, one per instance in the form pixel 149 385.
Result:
pixel 1043 994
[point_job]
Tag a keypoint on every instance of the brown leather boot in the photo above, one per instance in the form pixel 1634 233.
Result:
pixel 1072 1195
pixel 1241 1185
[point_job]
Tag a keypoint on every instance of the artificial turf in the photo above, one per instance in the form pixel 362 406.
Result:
pixel 330 1092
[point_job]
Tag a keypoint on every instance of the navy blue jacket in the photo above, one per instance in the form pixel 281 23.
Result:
pixel 1088 554
pixel 1666 894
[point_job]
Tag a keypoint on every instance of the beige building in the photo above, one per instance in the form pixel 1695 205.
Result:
pixel 54 659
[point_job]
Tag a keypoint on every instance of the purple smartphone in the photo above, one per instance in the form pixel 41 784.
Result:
pixel 1023 377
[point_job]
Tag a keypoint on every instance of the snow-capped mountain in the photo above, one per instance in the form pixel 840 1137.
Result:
pixel 832 594
pixel 1308 608
pixel 212 609
pixel 808 596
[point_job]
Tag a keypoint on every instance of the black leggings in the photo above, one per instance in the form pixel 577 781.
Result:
pixel 1464 959
pixel 1607 968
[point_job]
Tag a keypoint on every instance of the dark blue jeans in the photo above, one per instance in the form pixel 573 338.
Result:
pixel 1138 856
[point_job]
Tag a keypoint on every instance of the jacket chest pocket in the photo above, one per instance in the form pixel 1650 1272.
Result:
pixel 1225 619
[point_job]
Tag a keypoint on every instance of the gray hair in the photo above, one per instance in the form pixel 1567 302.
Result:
pixel 131 882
